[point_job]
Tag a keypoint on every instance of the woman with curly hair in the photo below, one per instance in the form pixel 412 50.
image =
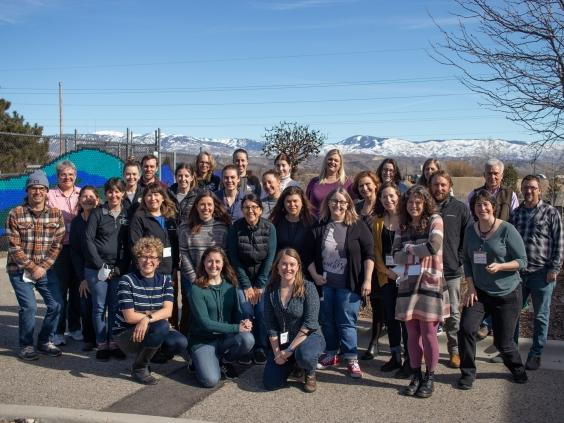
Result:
pixel 422 293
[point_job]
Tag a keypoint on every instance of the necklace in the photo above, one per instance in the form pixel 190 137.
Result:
pixel 484 234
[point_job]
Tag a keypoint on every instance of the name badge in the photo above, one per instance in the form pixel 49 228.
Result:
pixel 284 338
pixel 167 252
pixel 390 261
pixel 480 257
pixel 414 270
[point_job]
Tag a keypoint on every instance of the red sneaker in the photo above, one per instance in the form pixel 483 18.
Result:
pixel 353 368
pixel 328 361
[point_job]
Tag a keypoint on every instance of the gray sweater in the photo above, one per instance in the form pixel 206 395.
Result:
pixel 192 246
pixel 300 312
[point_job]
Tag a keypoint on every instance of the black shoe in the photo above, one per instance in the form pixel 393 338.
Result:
pixel 371 352
pixel 465 383
pixel 117 354
pixel 520 377
pixel 426 387
pixel 392 364
pixel 228 371
pixel 404 372
pixel 103 355
pixel 259 357
pixel 533 362
pixel 245 360
pixel 88 346
pixel 160 357
pixel 416 379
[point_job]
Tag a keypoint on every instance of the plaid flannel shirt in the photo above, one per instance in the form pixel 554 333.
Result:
pixel 541 230
pixel 34 239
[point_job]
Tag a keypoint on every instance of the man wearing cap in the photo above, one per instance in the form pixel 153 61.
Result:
pixel 35 233
pixel 65 198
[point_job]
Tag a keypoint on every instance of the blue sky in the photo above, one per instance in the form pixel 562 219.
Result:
pixel 231 68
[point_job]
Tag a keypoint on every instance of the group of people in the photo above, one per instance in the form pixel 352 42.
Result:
pixel 230 268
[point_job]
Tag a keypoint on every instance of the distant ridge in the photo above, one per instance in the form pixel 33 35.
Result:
pixel 357 144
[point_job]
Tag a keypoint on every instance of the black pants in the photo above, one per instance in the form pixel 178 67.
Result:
pixel 397 331
pixel 68 283
pixel 504 312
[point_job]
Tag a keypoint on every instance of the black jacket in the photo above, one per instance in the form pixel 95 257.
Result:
pixel 143 224
pixel 183 207
pixel 456 217
pixel 359 246
pixel 106 240
pixel 78 245
pixel 132 205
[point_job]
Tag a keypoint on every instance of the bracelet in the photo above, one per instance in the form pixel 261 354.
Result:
pixel 290 349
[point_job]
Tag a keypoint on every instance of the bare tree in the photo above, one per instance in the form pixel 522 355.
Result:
pixel 512 53
pixel 298 142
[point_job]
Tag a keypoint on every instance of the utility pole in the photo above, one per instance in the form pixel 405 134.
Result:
pixel 61 149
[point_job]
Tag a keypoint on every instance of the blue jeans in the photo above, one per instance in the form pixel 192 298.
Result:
pixel 541 295
pixel 230 347
pixel 305 356
pixel 159 334
pixel 340 308
pixel 104 298
pixel 48 288
pixel 256 314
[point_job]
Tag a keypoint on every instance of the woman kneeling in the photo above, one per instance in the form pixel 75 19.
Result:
pixel 291 310
pixel 218 335
pixel 145 305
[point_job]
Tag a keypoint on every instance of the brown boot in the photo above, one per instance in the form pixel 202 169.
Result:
pixel 454 361
pixel 310 384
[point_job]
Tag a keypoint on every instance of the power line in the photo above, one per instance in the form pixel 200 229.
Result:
pixel 215 60
pixel 169 90
pixel 249 103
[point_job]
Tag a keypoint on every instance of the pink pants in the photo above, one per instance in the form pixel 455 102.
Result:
pixel 422 341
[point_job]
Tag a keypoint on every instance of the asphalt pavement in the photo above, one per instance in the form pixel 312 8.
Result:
pixel 77 388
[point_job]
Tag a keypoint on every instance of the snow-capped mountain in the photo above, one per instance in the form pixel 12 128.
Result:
pixel 358 144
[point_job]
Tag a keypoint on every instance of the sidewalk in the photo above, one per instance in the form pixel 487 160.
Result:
pixel 75 387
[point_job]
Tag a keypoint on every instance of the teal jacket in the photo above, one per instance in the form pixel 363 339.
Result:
pixel 215 312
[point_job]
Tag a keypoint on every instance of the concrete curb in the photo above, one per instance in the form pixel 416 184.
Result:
pixel 69 415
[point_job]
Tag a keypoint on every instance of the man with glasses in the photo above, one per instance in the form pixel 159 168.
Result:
pixel 540 227
pixel 35 233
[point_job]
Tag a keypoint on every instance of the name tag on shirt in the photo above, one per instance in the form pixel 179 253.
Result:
pixel 414 270
pixel 390 261
pixel 167 252
pixel 480 257
pixel 284 338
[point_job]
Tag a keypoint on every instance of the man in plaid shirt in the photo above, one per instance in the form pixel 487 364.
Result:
pixel 35 234
pixel 540 227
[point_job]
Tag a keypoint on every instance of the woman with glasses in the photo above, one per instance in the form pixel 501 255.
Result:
pixel 145 305
pixel 331 176
pixel 389 171
pixel 251 245
pixel 205 178
pixel 340 257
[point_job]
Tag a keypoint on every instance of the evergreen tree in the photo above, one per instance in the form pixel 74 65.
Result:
pixel 18 151
pixel 510 178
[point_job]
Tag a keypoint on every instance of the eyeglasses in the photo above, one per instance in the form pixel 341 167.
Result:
pixel 148 258
pixel 249 208
pixel 339 202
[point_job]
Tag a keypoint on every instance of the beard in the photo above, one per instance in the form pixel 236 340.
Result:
pixel 440 196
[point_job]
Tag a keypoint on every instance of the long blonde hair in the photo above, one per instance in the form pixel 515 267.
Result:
pixel 342 177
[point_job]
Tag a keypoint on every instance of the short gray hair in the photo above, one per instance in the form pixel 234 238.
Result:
pixel 65 164
pixel 494 163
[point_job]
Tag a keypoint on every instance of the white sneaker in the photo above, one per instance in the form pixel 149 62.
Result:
pixel 59 339
pixel 76 335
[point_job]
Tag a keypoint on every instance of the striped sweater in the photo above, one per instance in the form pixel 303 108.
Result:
pixel 192 246
pixel 422 295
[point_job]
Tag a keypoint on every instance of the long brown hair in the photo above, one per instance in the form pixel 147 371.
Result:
pixel 227 272
pixel 168 209
pixel 429 208
pixel 279 210
pixel 298 289
pixel 351 216
pixel 219 213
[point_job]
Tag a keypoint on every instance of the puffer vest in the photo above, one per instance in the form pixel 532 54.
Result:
pixel 252 243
